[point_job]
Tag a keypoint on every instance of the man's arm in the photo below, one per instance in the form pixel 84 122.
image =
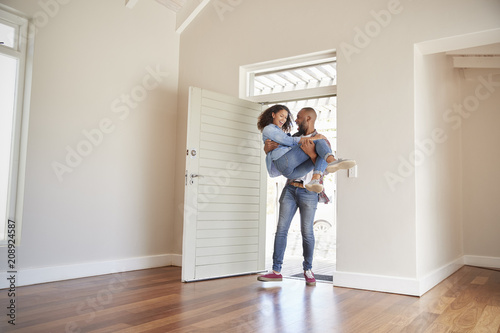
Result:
pixel 310 149
pixel 270 145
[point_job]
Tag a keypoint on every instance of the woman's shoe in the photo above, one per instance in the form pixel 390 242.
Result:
pixel 339 164
pixel 314 186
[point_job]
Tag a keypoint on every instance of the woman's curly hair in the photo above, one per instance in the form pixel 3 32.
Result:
pixel 266 118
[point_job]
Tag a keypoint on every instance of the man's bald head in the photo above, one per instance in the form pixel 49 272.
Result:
pixel 310 112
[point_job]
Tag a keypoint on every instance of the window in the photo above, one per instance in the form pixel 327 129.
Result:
pixel 13 45
pixel 296 78
pixel 292 79
pixel 7 34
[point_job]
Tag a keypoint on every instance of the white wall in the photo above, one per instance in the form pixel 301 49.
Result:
pixel 438 162
pixel 481 162
pixel 116 203
pixel 376 118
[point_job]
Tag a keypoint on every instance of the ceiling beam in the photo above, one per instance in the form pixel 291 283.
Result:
pixel 174 5
pixel 131 3
pixel 188 13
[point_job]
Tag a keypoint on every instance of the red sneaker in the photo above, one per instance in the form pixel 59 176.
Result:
pixel 270 277
pixel 310 280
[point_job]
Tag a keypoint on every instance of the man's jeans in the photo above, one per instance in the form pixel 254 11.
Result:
pixel 296 164
pixel 292 198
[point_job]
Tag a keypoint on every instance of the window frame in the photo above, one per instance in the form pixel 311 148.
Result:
pixel 247 74
pixel 23 52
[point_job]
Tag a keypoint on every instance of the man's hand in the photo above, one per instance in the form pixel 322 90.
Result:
pixel 270 145
pixel 309 148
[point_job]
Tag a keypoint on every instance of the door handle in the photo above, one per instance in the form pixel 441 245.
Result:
pixel 193 176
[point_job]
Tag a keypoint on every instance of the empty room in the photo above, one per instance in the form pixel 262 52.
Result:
pixel 139 192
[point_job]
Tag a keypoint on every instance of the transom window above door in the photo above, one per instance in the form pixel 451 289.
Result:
pixel 296 78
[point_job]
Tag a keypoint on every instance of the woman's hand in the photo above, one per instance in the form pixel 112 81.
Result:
pixel 318 137
pixel 305 139
pixel 312 138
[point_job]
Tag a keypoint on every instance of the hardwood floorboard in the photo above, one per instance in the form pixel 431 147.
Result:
pixel 374 313
pixel 155 301
pixel 489 320
pixel 423 321
pixel 400 315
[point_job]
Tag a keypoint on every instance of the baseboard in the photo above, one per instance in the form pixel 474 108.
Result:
pixel 36 275
pixel 382 283
pixel 396 285
pixel 480 261
pixel 434 278
pixel 176 260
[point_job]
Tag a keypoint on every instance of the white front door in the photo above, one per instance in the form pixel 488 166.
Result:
pixel 225 188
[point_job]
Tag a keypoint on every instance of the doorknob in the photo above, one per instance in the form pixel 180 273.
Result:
pixel 192 176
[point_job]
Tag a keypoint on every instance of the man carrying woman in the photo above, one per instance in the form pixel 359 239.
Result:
pixel 295 195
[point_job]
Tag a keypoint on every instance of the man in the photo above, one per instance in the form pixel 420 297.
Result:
pixel 294 196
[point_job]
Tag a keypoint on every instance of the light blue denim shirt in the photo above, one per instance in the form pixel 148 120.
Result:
pixel 285 141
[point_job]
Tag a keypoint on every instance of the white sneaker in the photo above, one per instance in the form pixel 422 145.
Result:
pixel 339 164
pixel 314 186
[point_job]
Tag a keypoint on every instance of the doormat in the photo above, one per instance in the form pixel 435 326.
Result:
pixel 328 278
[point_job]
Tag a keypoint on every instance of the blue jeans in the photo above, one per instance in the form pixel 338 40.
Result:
pixel 296 164
pixel 292 198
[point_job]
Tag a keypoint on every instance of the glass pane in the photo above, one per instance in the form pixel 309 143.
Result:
pixel 7 34
pixel 8 68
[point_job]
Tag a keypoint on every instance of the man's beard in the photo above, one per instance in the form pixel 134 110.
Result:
pixel 301 130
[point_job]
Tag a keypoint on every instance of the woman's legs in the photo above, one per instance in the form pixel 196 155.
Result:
pixel 296 163
pixel 325 157
pixel 323 150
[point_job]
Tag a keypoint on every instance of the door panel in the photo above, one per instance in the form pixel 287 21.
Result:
pixel 225 195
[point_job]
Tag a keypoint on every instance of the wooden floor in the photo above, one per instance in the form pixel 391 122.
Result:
pixel 155 300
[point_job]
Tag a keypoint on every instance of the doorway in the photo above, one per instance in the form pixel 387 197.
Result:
pixel 325 218
pixel 308 80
